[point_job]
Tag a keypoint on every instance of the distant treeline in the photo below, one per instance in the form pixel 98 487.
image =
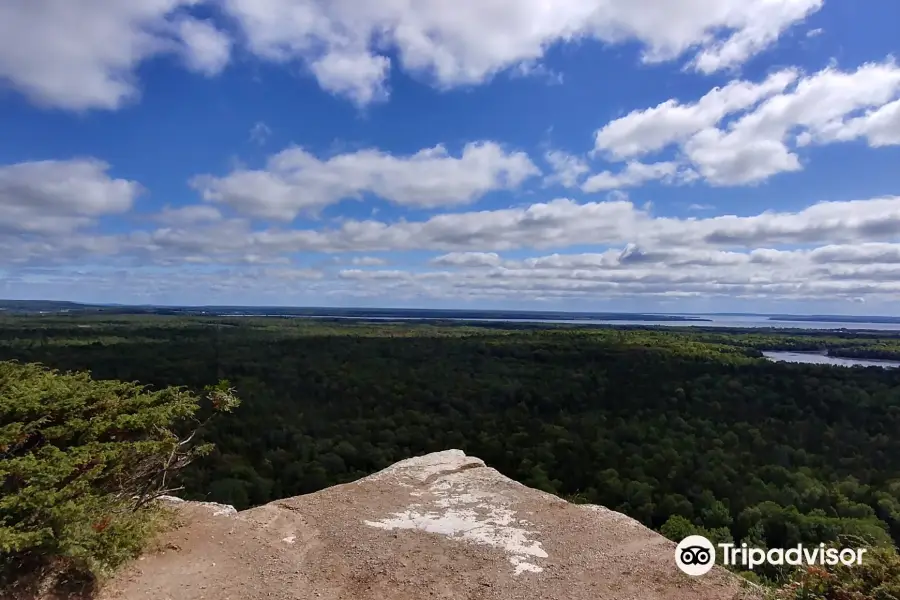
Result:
pixel 51 306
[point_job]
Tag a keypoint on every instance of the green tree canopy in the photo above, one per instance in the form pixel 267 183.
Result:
pixel 81 460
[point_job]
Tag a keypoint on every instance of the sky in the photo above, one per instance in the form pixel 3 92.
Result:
pixel 627 155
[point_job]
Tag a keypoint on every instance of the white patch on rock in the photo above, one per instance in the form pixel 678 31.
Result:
pixel 289 539
pixel 522 565
pixel 423 467
pixel 217 509
pixel 461 509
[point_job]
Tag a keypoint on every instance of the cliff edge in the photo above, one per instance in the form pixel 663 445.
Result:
pixel 443 525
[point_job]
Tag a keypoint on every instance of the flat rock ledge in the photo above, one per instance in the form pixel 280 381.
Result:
pixel 439 526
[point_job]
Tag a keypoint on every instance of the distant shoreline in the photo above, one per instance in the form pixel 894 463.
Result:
pixel 833 319
pixel 69 308
pixel 59 307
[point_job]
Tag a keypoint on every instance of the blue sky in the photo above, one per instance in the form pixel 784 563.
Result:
pixel 684 155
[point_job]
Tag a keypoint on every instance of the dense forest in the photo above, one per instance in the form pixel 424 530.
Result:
pixel 683 429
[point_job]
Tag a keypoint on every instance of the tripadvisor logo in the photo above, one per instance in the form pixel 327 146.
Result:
pixel 696 555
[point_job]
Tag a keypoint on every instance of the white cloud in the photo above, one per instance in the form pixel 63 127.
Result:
pixel 701 207
pixel 644 131
pixel 631 272
pixel 754 33
pixel 865 253
pixel 368 261
pixel 567 169
pixel 727 159
pixel 189 215
pixel 294 180
pixel 839 250
pixel 49 247
pixel 755 146
pixel 815 32
pixel 357 75
pixel 636 173
pixel 288 274
pixel 563 223
pixel 380 274
pixel 880 127
pixel 769 121
pixel 617 274
pixel 58 197
pixel 82 55
pixel 467 259
pixel 468 41
pixel 475 237
pixel 206 49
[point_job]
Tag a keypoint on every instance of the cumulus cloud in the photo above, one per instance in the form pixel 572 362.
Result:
pixel 616 274
pixel 756 146
pixel 562 223
pixel 368 261
pixel 768 122
pixel 467 259
pixel 86 55
pixel 357 75
pixel 475 237
pixel 880 127
pixel 865 253
pixel 295 180
pixel 644 131
pixel 635 173
pixel 60 196
pixel 624 272
pixel 206 49
pixel 567 168
pixel 761 273
pixel 172 285
pixel 469 41
pixel 769 21
pixel 83 55
pixel 839 249
pixel 189 215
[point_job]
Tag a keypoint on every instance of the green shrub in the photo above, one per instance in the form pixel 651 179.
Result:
pixel 676 528
pixel 877 578
pixel 81 461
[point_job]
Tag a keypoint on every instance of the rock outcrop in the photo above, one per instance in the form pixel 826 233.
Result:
pixel 442 525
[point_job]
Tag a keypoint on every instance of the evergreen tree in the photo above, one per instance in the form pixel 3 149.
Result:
pixel 81 461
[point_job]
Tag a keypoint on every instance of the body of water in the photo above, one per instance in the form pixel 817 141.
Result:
pixel 762 321
pixel 713 321
pixel 820 358
pixel 750 322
